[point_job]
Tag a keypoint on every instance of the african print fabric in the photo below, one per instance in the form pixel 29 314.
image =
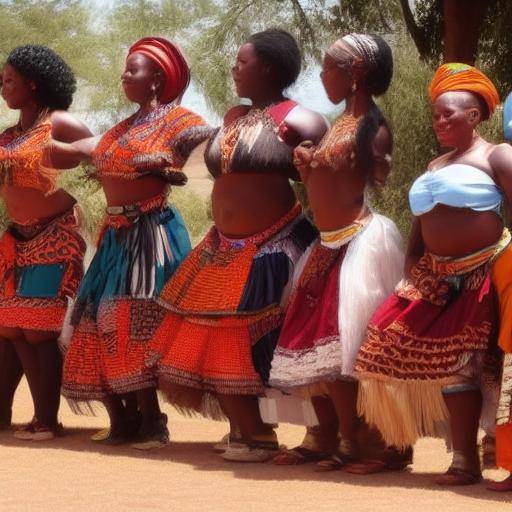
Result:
pixel 225 308
pixel 348 274
pixel 41 266
pixel 22 155
pixel 114 315
pixel 437 329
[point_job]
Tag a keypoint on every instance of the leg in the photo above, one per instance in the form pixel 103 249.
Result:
pixel 320 441
pixel 48 375
pixel 153 431
pixel 11 372
pixel 343 394
pixel 464 404
pixel 259 441
pixel 28 356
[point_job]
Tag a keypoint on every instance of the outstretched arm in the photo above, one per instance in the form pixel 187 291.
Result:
pixel 71 143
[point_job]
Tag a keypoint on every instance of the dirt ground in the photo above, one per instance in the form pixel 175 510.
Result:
pixel 72 474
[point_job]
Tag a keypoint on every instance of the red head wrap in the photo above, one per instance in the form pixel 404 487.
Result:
pixel 462 77
pixel 171 61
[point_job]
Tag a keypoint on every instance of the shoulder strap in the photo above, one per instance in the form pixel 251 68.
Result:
pixel 279 112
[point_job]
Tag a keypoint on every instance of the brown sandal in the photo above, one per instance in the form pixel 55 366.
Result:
pixel 298 455
pixel 394 460
pixel 458 477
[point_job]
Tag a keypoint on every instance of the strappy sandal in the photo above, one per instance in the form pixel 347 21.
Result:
pixel 298 455
pixel 335 462
pixel 458 477
pixel 394 461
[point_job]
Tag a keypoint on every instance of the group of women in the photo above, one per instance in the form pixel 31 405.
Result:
pixel 270 317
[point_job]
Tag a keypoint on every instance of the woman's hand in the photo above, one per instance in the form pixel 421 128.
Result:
pixel 303 158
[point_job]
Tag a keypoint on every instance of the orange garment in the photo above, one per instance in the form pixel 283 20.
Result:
pixel 169 132
pixel 21 158
pixel 462 77
pixel 502 280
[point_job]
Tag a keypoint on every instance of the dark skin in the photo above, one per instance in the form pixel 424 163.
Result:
pixel 142 82
pixel 37 350
pixel 457 232
pixel 247 203
pixel 337 200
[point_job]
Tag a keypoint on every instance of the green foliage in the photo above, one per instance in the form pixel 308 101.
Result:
pixel 407 108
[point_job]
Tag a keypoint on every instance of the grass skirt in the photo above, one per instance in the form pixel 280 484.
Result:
pixel 435 330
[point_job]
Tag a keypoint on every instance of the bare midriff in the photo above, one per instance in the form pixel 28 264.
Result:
pixel 244 204
pixel 27 205
pixel 458 232
pixel 121 192
pixel 336 198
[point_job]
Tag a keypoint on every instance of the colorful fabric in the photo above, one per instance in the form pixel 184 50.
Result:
pixel 247 142
pixel 225 308
pixel 114 314
pixel 41 266
pixel 22 155
pixel 170 60
pixel 502 280
pixel 435 330
pixel 169 132
pixel 462 77
pixel 355 46
pixel 337 149
pixel 347 275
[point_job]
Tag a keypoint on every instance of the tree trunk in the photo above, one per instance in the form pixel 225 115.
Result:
pixel 462 23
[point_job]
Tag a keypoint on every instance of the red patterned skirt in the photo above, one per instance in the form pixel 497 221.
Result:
pixel 436 330
pixel 41 266
pixel 225 309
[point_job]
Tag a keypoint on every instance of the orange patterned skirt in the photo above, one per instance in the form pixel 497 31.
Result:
pixel 225 310
pixel 115 316
pixel 41 266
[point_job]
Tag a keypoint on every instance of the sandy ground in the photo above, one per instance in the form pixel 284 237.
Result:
pixel 72 474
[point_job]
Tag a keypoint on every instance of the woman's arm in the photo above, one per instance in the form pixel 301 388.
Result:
pixel 65 151
pixel 415 247
pixel 500 160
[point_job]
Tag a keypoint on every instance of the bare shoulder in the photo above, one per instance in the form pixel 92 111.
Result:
pixel 439 161
pixel 67 128
pixel 500 158
pixel 309 124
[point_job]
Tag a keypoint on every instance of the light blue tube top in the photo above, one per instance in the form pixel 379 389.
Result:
pixel 458 185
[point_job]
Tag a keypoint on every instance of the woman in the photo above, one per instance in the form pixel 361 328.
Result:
pixel 429 353
pixel 225 303
pixel 358 258
pixel 41 253
pixel 142 243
